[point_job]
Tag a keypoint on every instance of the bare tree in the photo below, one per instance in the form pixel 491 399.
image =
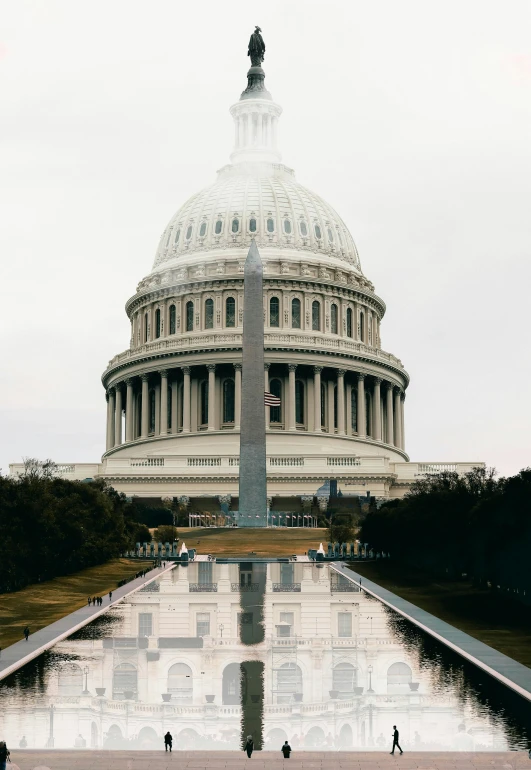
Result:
pixel 38 469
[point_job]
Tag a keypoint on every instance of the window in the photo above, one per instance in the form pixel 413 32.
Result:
pixel 189 232
pixel 317 230
pixel 228 401
pixel 344 624
pixel 274 311
pixel 344 679
pixel 289 682
pixel 168 238
pixel 299 402
pixel 287 226
pixel 296 313
pixel 204 402
pixel 157 323
pixel 316 316
pixel 152 411
pixel 398 675
pixel 304 229
pixel 145 624
pixel 202 229
pixel 146 327
pixel 333 319
pixel 204 573
pixel 270 225
pixel 362 326
pixel 252 225
pixel 124 681
pixel 286 624
pixel 286 574
pixel 180 682
pixel 354 410
pixel 235 225
pixel 203 623
pixel 349 322
pixel 177 236
pixel 219 226
pixel 275 412
pixel 70 679
pixel 173 319
pixel 245 618
pixel 230 311
pixel 209 314
pixel 330 235
pixel 189 316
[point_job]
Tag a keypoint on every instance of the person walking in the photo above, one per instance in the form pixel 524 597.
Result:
pixel 395 741
pixel 286 750
pixel 26 632
pixel 89 601
pixel 110 596
pixel 168 741
pixel 249 746
pixel 94 600
pixel 4 755
pixel 23 742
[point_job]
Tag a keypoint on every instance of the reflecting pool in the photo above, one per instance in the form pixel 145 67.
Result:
pixel 285 651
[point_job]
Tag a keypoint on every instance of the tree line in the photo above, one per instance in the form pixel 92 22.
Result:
pixel 474 525
pixel 51 527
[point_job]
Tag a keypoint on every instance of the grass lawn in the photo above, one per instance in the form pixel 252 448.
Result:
pixel 264 542
pixel 40 604
pixel 498 621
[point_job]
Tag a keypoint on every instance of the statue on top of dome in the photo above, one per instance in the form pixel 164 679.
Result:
pixel 256 48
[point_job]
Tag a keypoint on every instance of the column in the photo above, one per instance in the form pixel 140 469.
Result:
pixel 157 410
pixel 249 130
pixel 118 416
pixel 398 409
pixel 110 418
pixel 186 399
pixel 260 130
pixel 129 411
pixel 402 430
pixel 144 426
pixel 211 368
pixel 237 396
pixel 341 402
pixel 348 408
pixel 317 398
pixel 266 386
pixel 361 419
pixel 268 132
pixel 389 409
pixel 291 396
pixel 331 410
pixel 377 409
pixel 163 401
pixel 174 407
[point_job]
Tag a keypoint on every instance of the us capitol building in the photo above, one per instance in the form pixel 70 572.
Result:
pixel 174 396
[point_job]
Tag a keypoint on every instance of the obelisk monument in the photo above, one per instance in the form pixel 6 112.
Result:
pixel 253 490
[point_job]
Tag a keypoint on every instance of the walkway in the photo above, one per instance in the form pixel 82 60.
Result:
pixel 513 674
pixel 263 760
pixel 20 653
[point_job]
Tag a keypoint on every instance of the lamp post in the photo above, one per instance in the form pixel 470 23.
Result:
pixel 86 671
pixel 370 670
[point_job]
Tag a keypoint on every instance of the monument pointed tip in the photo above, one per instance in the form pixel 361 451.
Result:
pixel 253 250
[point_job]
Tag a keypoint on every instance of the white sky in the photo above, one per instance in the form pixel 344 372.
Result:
pixel 412 118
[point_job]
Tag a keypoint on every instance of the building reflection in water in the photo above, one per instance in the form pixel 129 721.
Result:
pixel 213 652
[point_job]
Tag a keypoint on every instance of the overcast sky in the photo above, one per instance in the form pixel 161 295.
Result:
pixel 411 118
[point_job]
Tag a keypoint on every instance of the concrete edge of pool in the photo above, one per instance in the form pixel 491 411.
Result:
pixel 17 655
pixel 501 667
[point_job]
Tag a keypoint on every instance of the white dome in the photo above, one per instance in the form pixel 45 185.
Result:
pixel 261 201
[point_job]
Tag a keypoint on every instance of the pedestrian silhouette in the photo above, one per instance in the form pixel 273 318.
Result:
pixel 110 595
pixel 23 742
pixel 168 741
pixel 286 750
pixel 395 741
pixel 4 755
pixel 89 601
pixel 249 746
pixel 26 632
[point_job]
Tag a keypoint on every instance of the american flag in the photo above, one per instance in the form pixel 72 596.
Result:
pixel 271 400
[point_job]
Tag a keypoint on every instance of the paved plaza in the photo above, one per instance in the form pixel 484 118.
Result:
pixel 318 760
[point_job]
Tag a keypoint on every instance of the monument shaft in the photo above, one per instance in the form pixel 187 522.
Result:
pixel 253 489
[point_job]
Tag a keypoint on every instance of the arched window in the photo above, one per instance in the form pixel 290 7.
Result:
pixel 228 401
pixel 252 225
pixel 270 225
pixel 168 238
pixel 318 233
pixel 70 679
pixel 173 319
pixel 349 322
pixel 274 312
pixel 219 227
pixel 204 402
pixel 209 314
pixel 146 327
pixel 344 679
pixel 275 412
pixel 124 681
pixel 287 226
pixel 323 404
pixel 177 236
pixel 202 230
pixel 231 687
pixel 354 410
pixel 333 318
pixel 230 311
pixel 180 683
pixel 189 316
pixel 157 323
pixel 235 225
pixel 304 229
pixel 398 677
pixel 296 313
pixel 316 316
pixel 330 235
pixel 362 326
pixel 152 411
pixel 189 232
pixel 299 402
pixel 289 682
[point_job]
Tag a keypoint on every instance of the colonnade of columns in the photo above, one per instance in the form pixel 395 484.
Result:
pixel 341 402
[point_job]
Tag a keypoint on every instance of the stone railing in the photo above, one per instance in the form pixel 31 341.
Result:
pixel 236 587
pixel 286 587
pixel 198 588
